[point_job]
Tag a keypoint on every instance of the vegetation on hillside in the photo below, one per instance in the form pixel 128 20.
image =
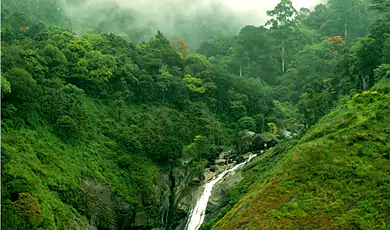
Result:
pixel 111 107
pixel 335 177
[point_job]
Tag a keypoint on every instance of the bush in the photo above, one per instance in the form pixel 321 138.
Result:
pixel 68 127
pixel 28 208
pixel 366 97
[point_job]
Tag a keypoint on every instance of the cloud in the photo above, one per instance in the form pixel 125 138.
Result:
pixel 178 19
pixel 249 11
pixel 254 11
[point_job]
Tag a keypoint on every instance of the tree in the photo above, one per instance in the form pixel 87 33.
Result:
pixel 96 67
pixel 366 58
pixel 163 134
pixel 380 5
pixel 283 24
pixel 196 85
pixel 180 47
pixel 255 54
pixel 55 59
pixel 164 80
pixel 247 123
pixel 316 102
pixel 79 47
pixel 237 104
pixel 22 84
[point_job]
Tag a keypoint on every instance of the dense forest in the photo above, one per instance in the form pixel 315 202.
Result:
pixel 86 99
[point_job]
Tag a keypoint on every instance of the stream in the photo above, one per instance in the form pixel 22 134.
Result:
pixel 197 215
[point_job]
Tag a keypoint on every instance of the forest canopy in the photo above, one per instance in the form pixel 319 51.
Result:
pixel 118 103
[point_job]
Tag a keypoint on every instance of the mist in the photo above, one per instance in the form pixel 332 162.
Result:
pixel 193 20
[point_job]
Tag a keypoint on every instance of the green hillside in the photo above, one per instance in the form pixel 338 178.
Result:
pixel 336 177
pixel 97 112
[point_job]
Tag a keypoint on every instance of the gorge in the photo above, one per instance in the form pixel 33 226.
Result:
pixel 197 214
pixel 109 123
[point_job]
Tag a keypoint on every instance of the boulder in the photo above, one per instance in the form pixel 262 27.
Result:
pixel 220 161
pixel 249 133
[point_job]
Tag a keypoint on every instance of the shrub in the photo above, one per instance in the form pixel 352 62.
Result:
pixel 28 208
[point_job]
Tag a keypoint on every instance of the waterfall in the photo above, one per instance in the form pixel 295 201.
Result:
pixel 197 215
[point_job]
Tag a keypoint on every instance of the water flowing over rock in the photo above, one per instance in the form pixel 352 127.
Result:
pixel 178 190
pixel 198 213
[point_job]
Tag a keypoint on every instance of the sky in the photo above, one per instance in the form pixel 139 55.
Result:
pixel 252 12
pixel 242 5
pixel 161 13
pixel 256 9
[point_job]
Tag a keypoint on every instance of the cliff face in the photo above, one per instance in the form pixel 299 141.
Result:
pixel 104 209
pixel 176 193
pixel 186 186
pixel 75 194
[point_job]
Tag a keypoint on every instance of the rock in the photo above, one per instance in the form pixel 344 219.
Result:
pixel 164 187
pixel 246 155
pixel 210 175
pixel 78 224
pixel 213 168
pixel 195 181
pixel 104 209
pixel 226 154
pixel 249 133
pixel 220 194
pixel 220 161
pixel 185 160
pixel 286 133
pixel 186 189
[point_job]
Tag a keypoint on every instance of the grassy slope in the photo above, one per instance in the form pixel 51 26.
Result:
pixel 336 177
pixel 38 162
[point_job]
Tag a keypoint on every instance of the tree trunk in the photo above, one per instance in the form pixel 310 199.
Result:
pixel 283 56
pixel 240 71
pixel 249 67
pixel 364 82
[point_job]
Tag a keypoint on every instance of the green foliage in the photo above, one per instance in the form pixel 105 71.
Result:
pixel 96 67
pixel 28 209
pixel 246 123
pixel 365 98
pixel 5 86
pixel 336 174
pixel 24 87
pixel 194 84
pixel 53 56
pixel 80 47
pixel 100 107
pixel 260 123
pixel 382 72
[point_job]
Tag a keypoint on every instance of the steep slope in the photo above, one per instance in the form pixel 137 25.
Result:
pixel 335 177
pixel 55 184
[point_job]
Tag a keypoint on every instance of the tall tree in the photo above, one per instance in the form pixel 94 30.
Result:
pixel 283 24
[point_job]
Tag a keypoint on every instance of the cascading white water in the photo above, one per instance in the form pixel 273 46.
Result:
pixel 198 213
